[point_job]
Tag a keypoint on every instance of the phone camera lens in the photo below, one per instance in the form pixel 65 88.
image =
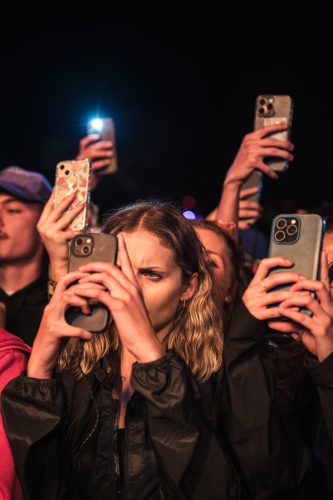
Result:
pixel 62 167
pixel 262 102
pixel 66 172
pixel 269 106
pixel 280 235
pixel 79 241
pixel 85 249
pixel 281 223
pixel 292 230
pixel 261 111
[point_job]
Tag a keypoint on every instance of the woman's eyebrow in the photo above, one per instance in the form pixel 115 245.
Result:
pixel 150 268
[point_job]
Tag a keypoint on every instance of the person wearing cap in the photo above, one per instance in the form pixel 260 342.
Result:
pixel 23 261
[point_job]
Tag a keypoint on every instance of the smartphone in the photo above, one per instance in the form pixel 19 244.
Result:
pixel 91 247
pixel 106 129
pixel 73 175
pixel 271 110
pixel 298 237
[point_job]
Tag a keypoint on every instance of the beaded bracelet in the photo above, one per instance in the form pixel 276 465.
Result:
pixel 50 288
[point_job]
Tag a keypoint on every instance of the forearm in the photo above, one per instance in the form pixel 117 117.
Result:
pixel 227 209
pixel 36 371
pixel 44 355
pixel 57 269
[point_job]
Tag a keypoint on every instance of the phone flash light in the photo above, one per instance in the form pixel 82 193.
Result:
pixel 293 221
pixel 96 124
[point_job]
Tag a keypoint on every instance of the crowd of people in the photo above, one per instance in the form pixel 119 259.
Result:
pixel 209 381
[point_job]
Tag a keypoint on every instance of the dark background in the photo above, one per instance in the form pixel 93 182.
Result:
pixel 181 92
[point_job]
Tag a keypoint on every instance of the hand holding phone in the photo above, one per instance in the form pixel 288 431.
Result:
pixel 73 176
pixel 86 248
pixel 315 329
pixel 299 238
pixel 271 110
pixel 105 128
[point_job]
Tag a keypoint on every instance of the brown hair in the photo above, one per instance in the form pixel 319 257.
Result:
pixel 236 260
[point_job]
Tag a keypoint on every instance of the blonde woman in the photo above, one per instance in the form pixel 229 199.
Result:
pixel 121 414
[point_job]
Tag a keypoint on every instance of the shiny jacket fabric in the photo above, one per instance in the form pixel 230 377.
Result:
pixel 283 445
pixel 62 435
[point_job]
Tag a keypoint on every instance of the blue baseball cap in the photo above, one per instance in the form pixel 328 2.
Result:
pixel 25 185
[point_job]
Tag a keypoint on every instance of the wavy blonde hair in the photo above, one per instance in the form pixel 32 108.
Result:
pixel 197 332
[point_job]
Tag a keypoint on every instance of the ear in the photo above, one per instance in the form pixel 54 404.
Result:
pixel 190 287
pixel 228 298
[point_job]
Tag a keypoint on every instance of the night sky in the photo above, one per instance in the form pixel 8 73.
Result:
pixel 181 93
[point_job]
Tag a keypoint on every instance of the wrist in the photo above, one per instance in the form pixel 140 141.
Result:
pixel 58 269
pixel 324 351
pixel 34 370
pixel 232 183
pixel 149 353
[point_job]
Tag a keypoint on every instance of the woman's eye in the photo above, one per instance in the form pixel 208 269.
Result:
pixel 151 274
pixel 212 263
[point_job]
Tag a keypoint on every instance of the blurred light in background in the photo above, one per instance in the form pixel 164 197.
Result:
pixel 188 214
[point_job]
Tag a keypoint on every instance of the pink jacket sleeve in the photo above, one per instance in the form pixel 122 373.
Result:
pixel 12 363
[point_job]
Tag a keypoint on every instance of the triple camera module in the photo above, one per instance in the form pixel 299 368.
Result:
pixel 286 230
pixel 266 106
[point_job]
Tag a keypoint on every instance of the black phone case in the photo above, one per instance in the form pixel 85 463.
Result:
pixel 104 249
pixel 305 251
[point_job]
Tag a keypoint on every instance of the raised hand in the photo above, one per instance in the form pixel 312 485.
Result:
pixel 253 149
pixel 315 331
pixel 258 299
pixel 54 328
pixel 55 233
pixel 98 152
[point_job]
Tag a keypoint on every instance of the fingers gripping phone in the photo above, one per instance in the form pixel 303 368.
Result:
pixel 106 129
pixel 73 176
pixel 298 237
pixel 271 110
pixel 85 248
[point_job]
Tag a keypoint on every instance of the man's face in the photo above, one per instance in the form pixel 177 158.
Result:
pixel 19 239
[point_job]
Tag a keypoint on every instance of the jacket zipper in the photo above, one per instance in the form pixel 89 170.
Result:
pixel 116 447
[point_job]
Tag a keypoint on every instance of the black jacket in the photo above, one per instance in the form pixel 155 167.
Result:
pixel 63 437
pixel 24 309
pixel 283 445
